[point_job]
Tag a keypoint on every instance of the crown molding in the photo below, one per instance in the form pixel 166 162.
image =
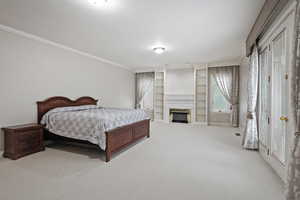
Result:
pixel 223 63
pixel 231 62
pixel 9 29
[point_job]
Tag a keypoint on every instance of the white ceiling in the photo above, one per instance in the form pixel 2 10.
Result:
pixel 193 31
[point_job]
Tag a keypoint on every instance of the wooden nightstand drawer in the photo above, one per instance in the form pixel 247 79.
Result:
pixel 23 140
pixel 29 141
pixel 29 136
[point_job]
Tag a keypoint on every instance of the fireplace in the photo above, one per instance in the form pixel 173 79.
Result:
pixel 180 115
pixel 182 104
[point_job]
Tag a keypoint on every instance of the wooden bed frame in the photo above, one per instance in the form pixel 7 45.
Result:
pixel 116 139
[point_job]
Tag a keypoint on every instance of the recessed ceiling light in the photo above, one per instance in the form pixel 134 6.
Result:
pixel 98 2
pixel 159 50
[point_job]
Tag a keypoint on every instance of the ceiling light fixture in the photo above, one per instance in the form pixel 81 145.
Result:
pixel 98 2
pixel 159 50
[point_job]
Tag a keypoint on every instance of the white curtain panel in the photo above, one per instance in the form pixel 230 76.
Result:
pixel 144 83
pixel 235 96
pixel 250 140
pixel 227 79
pixel 293 179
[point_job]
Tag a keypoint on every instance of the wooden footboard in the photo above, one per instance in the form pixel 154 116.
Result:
pixel 119 138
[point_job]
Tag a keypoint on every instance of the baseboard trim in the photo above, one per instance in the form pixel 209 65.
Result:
pixel 158 120
pixel 219 124
pixel 200 123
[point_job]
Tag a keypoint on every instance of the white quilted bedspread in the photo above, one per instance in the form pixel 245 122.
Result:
pixel 89 122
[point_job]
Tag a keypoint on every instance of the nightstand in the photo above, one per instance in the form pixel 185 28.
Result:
pixel 23 140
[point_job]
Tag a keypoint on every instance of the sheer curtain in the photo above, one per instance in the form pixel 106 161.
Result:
pixel 250 140
pixel 227 79
pixel 293 179
pixel 144 84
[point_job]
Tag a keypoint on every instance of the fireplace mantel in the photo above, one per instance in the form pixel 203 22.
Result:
pixel 179 101
pixel 179 98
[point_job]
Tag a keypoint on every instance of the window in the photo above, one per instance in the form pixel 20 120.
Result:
pixel 218 103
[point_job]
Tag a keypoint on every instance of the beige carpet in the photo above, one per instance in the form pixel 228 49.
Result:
pixel 177 162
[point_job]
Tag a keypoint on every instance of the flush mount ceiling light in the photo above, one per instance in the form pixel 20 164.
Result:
pixel 98 2
pixel 159 50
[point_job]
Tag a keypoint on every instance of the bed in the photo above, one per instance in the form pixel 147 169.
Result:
pixel 83 121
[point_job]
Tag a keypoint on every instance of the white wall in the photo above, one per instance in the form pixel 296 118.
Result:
pixel 180 81
pixel 244 73
pixel 219 118
pixel 31 71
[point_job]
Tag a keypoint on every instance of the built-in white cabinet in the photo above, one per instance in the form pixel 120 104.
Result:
pixel 275 61
pixel 201 94
pixel 159 85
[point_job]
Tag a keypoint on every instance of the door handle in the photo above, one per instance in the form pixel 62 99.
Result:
pixel 284 118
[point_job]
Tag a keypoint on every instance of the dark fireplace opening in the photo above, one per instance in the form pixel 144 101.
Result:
pixel 180 115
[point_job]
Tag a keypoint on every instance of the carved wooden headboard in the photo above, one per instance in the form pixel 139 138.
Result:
pixel 55 102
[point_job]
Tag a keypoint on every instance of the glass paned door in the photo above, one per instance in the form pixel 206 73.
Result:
pixel 276 46
pixel 279 100
pixel 265 104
